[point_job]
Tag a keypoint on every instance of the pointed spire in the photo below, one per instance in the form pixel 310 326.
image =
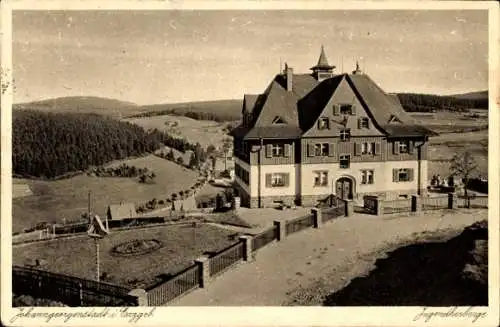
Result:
pixel 322 70
pixel 322 61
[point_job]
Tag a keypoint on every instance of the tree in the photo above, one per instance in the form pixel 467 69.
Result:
pixel 210 149
pixel 463 165
pixel 170 155
pixel 194 161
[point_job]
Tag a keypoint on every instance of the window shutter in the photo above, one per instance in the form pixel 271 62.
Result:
pixel 331 150
pixel 359 122
pixel 310 150
pixel 377 148
pixel 410 147
pixel 353 109
pixel 286 179
pixel 357 149
pixel 269 150
pixel 410 175
pixel 268 180
pixel 287 150
pixel 395 175
pixel 396 147
pixel 336 109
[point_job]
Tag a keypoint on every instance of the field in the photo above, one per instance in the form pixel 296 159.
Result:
pixel 458 133
pixel 68 198
pixel 76 257
pixel 205 132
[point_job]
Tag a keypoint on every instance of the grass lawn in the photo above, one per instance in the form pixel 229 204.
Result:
pixel 205 132
pixel 443 147
pixel 68 198
pixel 76 257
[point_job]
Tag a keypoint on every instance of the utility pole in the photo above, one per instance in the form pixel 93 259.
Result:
pixel 88 209
pixel 97 261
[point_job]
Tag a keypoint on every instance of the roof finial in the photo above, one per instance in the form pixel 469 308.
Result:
pixel 358 70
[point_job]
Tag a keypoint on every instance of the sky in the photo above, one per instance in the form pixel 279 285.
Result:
pixel 150 57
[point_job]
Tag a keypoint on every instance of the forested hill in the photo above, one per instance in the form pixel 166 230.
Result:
pixel 52 144
pixel 412 102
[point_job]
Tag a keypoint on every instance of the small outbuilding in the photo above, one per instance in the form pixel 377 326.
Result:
pixel 121 211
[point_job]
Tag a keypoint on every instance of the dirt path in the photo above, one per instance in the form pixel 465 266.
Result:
pixel 324 260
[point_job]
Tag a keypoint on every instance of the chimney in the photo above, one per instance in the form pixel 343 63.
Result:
pixel 289 78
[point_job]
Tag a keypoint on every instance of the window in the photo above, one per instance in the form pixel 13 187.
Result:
pixel 242 174
pixel 344 161
pixel 364 122
pixel 320 178
pixel 277 180
pixel 321 149
pixel 278 150
pixel 403 175
pixel 404 147
pixel 323 123
pixel 368 148
pixel 345 134
pixel 367 177
pixel 346 109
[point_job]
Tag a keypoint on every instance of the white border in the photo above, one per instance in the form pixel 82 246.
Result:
pixel 256 316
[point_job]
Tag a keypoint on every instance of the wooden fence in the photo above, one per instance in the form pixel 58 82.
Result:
pixel 435 203
pixel 224 259
pixel 182 283
pixel 264 238
pixel 72 291
pixel 328 214
pixel 473 201
pixel 298 224
pixel 397 206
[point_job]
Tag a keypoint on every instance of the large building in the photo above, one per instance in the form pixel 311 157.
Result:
pixel 311 135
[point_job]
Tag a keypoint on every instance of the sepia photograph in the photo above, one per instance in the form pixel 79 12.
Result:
pixel 250 158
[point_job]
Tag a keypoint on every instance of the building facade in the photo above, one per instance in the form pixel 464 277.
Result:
pixel 312 135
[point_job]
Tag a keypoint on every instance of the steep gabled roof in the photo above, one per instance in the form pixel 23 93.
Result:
pixel 249 101
pixel 122 211
pixel 311 106
pixel 279 102
pixel 302 84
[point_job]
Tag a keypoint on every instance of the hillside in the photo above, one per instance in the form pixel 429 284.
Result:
pixel 479 95
pixel 220 110
pixel 230 110
pixel 82 104
pixel 50 145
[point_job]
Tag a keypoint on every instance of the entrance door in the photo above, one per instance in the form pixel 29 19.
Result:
pixel 344 188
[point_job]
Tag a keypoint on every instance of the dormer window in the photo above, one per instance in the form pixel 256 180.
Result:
pixel 323 123
pixel 394 119
pixel 278 120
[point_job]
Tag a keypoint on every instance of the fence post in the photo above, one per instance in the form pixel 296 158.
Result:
pixel 349 208
pixel 204 267
pixel 316 217
pixel 451 200
pixel 81 294
pixel 141 296
pixel 281 229
pixel 416 203
pixel 247 247
pixel 379 204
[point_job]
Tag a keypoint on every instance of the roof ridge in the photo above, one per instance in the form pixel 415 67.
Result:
pixel 363 102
